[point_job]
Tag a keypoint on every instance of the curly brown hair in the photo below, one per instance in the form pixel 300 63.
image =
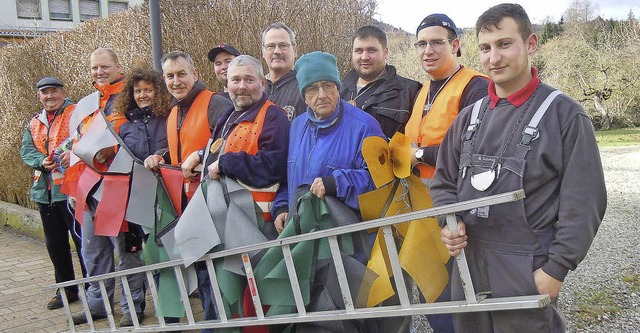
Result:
pixel 125 100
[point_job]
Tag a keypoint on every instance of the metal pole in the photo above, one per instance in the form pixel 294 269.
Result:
pixel 156 33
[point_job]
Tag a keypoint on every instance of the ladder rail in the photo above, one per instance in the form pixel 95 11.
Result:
pixel 347 229
pixel 405 308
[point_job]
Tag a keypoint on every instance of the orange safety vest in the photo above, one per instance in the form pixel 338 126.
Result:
pixel 110 89
pixel 430 129
pixel 195 131
pixel 47 137
pixel 245 138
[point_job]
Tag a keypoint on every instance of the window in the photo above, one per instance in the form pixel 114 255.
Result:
pixel 117 6
pixel 89 9
pixel 29 9
pixel 60 10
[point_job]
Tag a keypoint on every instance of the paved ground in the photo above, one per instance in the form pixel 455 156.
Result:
pixel 25 269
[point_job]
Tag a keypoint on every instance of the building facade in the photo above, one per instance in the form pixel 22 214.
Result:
pixel 25 19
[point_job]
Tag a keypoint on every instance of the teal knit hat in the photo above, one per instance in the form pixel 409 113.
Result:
pixel 316 66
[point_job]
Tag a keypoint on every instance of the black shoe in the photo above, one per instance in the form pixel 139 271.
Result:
pixel 126 319
pixel 81 317
pixel 55 303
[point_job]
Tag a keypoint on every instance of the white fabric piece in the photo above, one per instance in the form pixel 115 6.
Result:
pixel 85 107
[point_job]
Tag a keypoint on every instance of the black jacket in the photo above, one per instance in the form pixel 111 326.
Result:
pixel 389 100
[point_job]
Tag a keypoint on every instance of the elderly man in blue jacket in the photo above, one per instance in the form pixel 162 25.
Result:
pixel 325 143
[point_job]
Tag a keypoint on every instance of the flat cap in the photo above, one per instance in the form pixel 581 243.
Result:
pixel 47 82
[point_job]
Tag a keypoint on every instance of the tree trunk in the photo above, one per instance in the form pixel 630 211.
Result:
pixel 604 112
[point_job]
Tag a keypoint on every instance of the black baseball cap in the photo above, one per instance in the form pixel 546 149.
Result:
pixel 438 20
pixel 213 53
pixel 47 82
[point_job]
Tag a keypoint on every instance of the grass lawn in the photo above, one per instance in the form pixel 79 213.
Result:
pixel 618 137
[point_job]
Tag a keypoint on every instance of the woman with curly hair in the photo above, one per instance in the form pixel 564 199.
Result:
pixel 144 102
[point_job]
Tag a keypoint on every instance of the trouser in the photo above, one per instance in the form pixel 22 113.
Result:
pixel 206 296
pixel 98 253
pixel 57 222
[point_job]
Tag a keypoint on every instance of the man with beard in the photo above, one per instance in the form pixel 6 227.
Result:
pixel 249 144
pixel 374 86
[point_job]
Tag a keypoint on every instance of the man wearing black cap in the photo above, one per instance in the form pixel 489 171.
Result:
pixel 221 56
pixel 45 133
pixel 451 88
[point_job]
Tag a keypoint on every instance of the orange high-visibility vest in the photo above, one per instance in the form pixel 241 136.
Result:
pixel 194 132
pixel 47 137
pixel 245 138
pixel 430 129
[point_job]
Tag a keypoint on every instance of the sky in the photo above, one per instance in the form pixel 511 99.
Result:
pixel 407 14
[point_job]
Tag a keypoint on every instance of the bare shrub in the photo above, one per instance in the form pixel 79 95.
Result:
pixel 194 26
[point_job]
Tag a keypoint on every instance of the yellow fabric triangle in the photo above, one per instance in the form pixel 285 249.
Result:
pixel 376 153
pixel 400 151
pixel 423 254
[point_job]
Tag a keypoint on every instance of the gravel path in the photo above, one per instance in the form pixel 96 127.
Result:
pixel 611 271
pixel 602 294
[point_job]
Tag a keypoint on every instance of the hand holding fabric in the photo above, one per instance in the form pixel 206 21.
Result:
pixel 317 188
pixel 214 170
pixel 189 164
pixel 280 220
pixel 48 164
pixel 152 162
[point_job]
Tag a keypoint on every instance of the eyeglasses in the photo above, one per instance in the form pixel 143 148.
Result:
pixel 281 46
pixel 314 90
pixel 435 44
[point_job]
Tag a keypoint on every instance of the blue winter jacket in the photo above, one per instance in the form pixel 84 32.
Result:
pixel 332 151
pixel 144 133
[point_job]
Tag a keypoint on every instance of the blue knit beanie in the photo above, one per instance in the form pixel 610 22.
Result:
pixel 316 66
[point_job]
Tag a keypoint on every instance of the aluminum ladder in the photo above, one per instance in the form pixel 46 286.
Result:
pixel 472 303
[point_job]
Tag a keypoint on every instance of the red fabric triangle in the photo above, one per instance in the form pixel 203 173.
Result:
pixel 71 178
pixel 190 188
pixel 87 180
pixel 110 213
pixel 173 180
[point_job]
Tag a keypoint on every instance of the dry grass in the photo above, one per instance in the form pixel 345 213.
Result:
pixel 193 26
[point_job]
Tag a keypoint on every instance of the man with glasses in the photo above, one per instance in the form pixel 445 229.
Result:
pixel 279 53
pixel 374 86
pixel 325 158
pixel 451 88
pixel 325 143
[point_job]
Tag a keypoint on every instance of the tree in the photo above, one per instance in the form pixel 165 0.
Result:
pixel 551 30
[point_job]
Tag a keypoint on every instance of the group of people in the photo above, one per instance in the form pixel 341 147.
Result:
pixel 301 125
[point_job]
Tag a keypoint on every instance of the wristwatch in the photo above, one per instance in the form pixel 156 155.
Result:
pixel 419 153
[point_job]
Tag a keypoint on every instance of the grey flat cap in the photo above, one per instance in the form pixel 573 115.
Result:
pixel 49 81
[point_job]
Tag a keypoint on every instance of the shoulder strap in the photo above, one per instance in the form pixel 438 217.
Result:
pixel 530 132
pixel 474 121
